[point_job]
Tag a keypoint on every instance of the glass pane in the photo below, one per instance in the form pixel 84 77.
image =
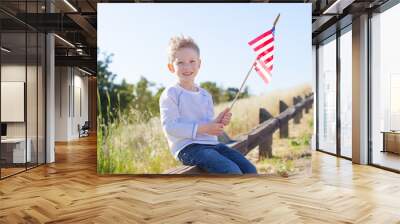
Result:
pixel 31 97
pixel 314 71
pixel 345 94
pixel 41 98
pixel 327 96
pixel 14 152
pixel 23 85
pixel 386 89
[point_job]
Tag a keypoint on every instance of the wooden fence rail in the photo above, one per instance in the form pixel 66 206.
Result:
pixel 262 134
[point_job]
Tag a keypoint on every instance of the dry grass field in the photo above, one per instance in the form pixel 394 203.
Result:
pixel 132 146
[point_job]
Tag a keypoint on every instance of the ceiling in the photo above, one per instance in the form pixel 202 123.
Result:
pixel 74 22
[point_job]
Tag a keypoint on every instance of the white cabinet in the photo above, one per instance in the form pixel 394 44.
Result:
pixel 17 146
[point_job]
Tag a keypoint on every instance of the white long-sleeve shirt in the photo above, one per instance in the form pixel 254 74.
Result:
pixel 182 111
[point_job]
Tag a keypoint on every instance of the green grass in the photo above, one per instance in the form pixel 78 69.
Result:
pixel 280 166
pixel 291 155
pixel 128 145
pixel 304 140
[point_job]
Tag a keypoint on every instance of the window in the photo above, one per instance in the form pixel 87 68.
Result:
pixel 346 93
pixel 385 87
pixel 22 68
pixel 327 96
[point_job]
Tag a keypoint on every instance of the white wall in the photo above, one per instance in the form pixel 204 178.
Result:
pixel 81 94
pixel 71 87
pixel 62 81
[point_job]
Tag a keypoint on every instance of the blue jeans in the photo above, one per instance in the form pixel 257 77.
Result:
pixel 216 159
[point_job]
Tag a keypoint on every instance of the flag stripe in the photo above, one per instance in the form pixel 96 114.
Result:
pixel 265 71
pixel 268 64
pixel 268 59
pixel 265 48
pixel 265 67
pixel 264 57
pixel 264 44
pixel 262 75
pixel 262 40
pixel 266 52
pixel 260 37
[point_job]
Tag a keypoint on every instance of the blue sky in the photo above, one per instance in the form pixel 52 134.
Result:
pixel 138 36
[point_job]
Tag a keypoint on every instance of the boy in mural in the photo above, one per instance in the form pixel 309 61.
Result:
pixel 187 116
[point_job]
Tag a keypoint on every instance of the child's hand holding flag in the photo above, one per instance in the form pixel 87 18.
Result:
pixel 224 117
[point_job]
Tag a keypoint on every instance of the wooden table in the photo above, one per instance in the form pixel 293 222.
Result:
pixel 391 141
pixel 13 150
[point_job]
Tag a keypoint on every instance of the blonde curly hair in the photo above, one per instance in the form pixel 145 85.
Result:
pixel 178 42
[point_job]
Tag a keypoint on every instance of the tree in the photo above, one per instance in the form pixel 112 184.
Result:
pixel 230 94
pixel 125 91
pixel 120 98
pixel 106 89
pixel 221 95
pixel 213 89
pixel 144 100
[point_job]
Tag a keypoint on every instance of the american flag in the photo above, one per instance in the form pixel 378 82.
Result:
pixel 263 45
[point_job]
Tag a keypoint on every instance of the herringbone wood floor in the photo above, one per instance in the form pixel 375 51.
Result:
pixel 70 191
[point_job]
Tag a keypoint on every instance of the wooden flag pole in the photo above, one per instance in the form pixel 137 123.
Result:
pixel 237 94
pixel 276 19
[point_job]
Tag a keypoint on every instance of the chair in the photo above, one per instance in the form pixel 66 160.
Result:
pixel 84 130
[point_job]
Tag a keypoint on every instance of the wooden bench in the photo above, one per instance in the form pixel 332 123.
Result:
pixel 224 138
pixel 260 136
